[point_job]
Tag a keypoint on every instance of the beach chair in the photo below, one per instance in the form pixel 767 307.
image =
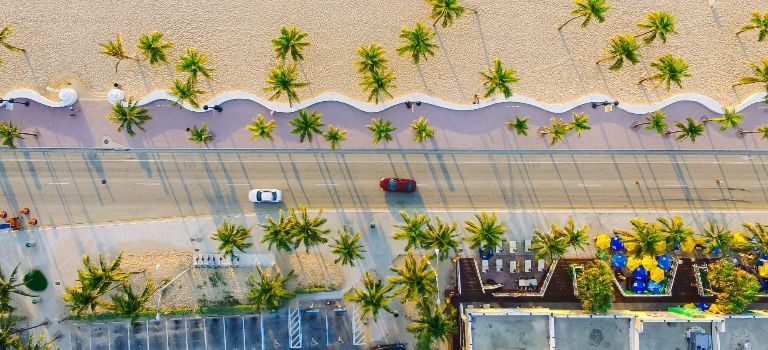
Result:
pixel 499 265
pixel 512 247
pixel 541 265
pixel 500 247
pixel 528 266
pixel 513 266
pixel 527 245
pixel 485 265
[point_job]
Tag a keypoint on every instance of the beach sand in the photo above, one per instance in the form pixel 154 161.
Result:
pixel 62 37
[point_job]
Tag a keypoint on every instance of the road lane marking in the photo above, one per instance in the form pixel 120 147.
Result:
pixel 676 186
pixel 238 184
pixel 57 183
pixel 327 184
pixel 590 185
pixel 148 183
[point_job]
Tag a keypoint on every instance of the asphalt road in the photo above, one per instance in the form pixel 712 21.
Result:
pixel 66 187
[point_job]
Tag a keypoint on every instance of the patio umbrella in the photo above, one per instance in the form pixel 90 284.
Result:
pixel 648 262
pixel 486 252
pixel 702 306
pixel 633 263
pixel 616 243
pixel 68 96
pixel 630 247
pixel 603 241
pixel 115 95
pixel 660 246
pixel 654 287
pixel 663 261
pixel 640 273
pixel 638 286
pixel 619 260
pixel 763 284
pixel 762 271
pixel 688 244
pixel 715 250
pixel 657 274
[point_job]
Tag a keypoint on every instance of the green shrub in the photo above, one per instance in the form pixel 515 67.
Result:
pixel 35 280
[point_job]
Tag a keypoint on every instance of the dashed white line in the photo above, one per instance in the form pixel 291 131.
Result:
pixel 327 184
pixel 675 185
pixel 148 183
pixel 238 184
pixel 590 185
pixel 57 183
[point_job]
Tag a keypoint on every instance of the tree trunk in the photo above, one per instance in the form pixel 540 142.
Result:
pixel 437 20
pixel 738 84
pixel 569 21
pixel 16 331
pixel 644 80
pixel 606 58
pixel 641 34
pixel 638 124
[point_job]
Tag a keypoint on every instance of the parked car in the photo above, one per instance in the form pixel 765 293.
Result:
pixel 265 196
pixel 393 184
pixel 396 346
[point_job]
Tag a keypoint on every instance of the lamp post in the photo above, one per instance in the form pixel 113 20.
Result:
pixel 604 103
pixel 11 100
pixel 159 296
pixel 216 108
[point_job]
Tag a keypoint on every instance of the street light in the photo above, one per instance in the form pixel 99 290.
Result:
pixel 216 108
pixel 157 314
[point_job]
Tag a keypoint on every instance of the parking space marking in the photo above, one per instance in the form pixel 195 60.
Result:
pixel 261 322
pixel 205 334
pixel 167 342
pixel 224 327
pixel 186 333
pixel 358 334
pixel 294 328
pixel 243 319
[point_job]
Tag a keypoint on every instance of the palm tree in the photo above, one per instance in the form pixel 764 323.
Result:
pixel 199 135
pixel 762 129
pixel 371 58
pixel 760 75
pixel 623 47
pixel 268 292
pixel 9 132
pixel 415 280
pixel 447 10
pixel 110 48
pixel 691 129
pixel 595 287
pixel 671 70
pixel 37 343
pixel 730 119
pixel 575 238
pixel 557 131
pixel 153 48
pixel 185 92
pixel 519 125
pixel 128 303
pixel 194 63
pixel 655 121
pixel 648 238
pixel 378 82
pixel 588 9
pixel 308 230
pixel 758 239
pixel 278 232
pixel 435 324
pixel 580 122
pixel 373 297
pixel 382 129
pixel 413 230
pixel 498 78
pixel 549 245
pixel 4 35
pixel 306 124
pixel 284 80
pixel 101 278
pixel 675 230
pixel 485 232
pixel 716 236
pixel 334 135
pixel 417 42
pixel 347 248
pixel 261 128
pixel 128 115
pixel 290 41
pixel 8 286
pixel 657 23
pixel 231 237
pixel 81 299
pixel 441 236
pixel 759 22
pixel 421 129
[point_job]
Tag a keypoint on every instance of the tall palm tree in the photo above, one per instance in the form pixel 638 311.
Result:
pixel 37 343
pixel 278 233
pixel 128 115
pixel 371 58
pixel 435 324
pixel 580 122
pixel 9 132
pixel 306 124
pixel 334 135
pixel 441 236
pixel 378 82
pixel 549 245
pixel 557 131
pixel 575 237
pixel 675 230
pixel 308 230
pixel 671 69
pixel 716 236
pixel 648 238
pixel 185 92
pixel 5 33
pixel 284 80
pixel 412 230
pixel 417 42
pixel 113 49
pixel 81 299
pixel 760 74
pixel 347 247
pixel 415 280
pixel 373 297
pixel 762 129
pixel 261 128
pixel 654 121
pixel 421 130
pixel 382 129
pixel 688 130
pixel 231 237
pixel 100 278
pixel 193 63
pixel 268 292
pixel 498 78
pixel 588 9
pixel 131 304
pixel 447 10
pixel 623 47
pixel 729 119
pixel 759 22
pixel 519 125
pixel 199 135
pixel 291 41
pixel 8 286
pixel 153 47
pixel 485 231
pixel 758 236
pixel 658 24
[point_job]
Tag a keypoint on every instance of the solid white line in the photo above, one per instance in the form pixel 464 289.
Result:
pixel 57 183
pixel 327 184
pixel 398 161
pixel 237 184
pixel 590 185
pixel 224 327
pixel 675 185
pixel 148 183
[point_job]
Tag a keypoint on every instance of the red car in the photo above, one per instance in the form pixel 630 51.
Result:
pixel 393 184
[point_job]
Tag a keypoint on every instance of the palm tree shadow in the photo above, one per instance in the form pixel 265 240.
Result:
pixel 450 64
pixel 605 81
pixel 716 17
pixel 421 76
pixel 306 77
pixel 482 39
pixel 144 79
pixel 32 71
pixel 570 57
pixel 743 48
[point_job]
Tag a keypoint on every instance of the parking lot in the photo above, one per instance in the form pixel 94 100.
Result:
pixel 325 326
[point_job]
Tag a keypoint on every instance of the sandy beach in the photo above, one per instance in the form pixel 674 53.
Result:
pixel 61 38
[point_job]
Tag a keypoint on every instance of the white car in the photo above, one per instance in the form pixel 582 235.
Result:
pixel 265 195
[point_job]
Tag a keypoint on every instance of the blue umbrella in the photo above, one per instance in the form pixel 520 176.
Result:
pixel 715 250
pixel 703 306
pixel 486 252
pixel 616 243
pixel 664 261
pixel 619 260
pixel 638 286
pixel 654 287
pixel 640 273
pixel 763 284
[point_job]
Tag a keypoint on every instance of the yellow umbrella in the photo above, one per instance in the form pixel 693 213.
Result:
pixel 648 262
pixel 660 246
pixel 715 309
pixel 657 274
pixel 763 270
pixel 633 263
pixel 603 241
pixel 739 241
pixel 688 244
pixel 630 247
